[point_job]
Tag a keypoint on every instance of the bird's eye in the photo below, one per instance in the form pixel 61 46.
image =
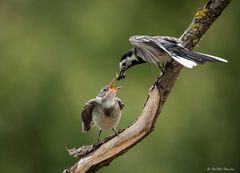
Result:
pixel 124 64
pixel 105 89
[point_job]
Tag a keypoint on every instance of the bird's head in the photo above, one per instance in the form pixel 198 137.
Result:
pixel 128 60
pixel 109 91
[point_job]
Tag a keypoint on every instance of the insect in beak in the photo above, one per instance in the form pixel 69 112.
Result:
pixel 121 75
pixel 112 88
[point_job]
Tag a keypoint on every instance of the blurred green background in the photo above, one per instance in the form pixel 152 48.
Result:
pixel 56 55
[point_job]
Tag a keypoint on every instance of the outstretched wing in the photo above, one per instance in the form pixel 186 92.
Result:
pixel 120 103
pixel 87 115
pixel 147 49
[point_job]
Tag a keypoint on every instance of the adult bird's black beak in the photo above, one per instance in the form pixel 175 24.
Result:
pixel 121 75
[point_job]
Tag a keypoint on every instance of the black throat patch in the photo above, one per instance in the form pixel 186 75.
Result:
pixel 108 111
pixel 139 61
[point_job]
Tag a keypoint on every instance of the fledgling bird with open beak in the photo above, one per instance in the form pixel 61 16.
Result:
pixel 104 111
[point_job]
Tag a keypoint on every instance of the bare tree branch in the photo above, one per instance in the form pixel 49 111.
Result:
pixel 95 156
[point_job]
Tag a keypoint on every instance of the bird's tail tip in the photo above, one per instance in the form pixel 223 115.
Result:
pixel 214 57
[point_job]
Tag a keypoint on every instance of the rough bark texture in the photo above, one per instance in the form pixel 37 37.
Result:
pixel 95 156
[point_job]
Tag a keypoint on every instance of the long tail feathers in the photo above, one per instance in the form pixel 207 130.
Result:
pixel 190 59
pixel 184 61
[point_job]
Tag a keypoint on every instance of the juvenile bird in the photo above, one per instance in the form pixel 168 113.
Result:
pixel 104 111
pixel 159 50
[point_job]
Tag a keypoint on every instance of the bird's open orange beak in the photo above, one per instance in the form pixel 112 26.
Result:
pixel 112 88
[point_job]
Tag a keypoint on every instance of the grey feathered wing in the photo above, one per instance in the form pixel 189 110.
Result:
pixel 147 49
pixel 86 115
pixel 120 103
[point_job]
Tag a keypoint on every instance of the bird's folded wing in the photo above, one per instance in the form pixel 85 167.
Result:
pixel 120 103
pixel 86 115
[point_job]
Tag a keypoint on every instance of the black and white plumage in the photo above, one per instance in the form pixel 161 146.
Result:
pixel 104 111
pixel 159 50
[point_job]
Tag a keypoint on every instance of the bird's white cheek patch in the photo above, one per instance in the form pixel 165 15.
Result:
pixel 131 59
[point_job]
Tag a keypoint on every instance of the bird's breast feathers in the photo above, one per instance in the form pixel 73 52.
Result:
pixel 106 117
pixel 108 108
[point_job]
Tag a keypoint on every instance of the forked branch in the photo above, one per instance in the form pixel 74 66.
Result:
pixel 95 156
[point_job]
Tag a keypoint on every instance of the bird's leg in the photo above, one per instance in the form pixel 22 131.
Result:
pixel 116 132
pixel 100 131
